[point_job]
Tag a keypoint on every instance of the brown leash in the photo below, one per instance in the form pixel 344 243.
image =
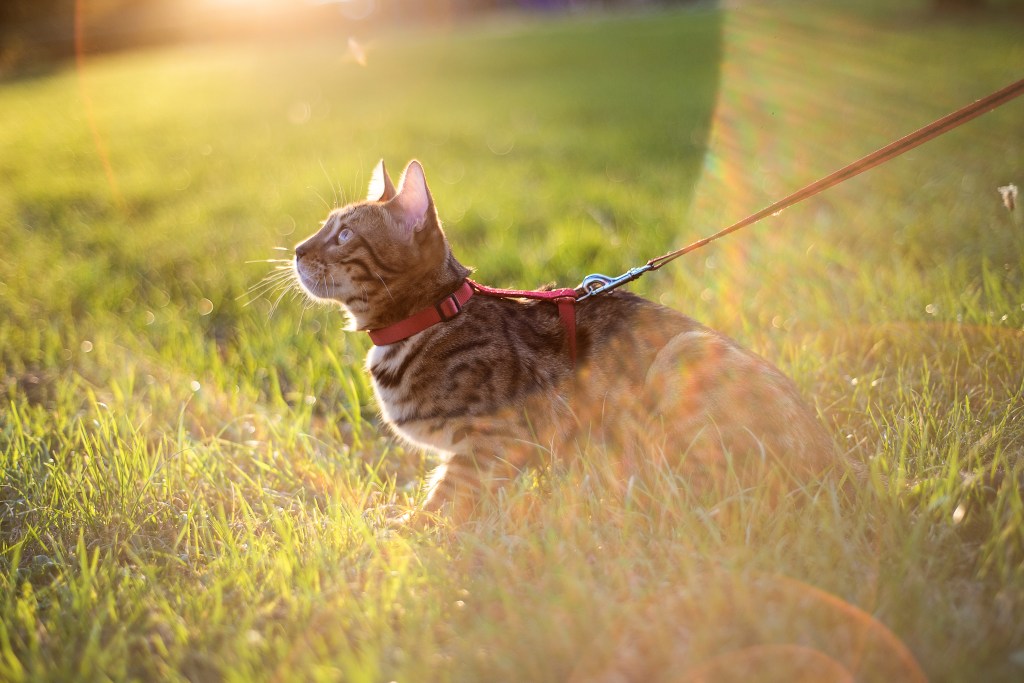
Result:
pixel 599 284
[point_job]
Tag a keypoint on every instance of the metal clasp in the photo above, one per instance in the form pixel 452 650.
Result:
pixel 448 308
pixel 596 283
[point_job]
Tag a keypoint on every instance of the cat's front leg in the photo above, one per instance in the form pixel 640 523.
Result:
pixel 455 488
pixel 453 492
pixel 474 473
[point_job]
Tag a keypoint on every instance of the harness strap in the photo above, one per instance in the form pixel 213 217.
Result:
pixel 565 298
pixel 567 312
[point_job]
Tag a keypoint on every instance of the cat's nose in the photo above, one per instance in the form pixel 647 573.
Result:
pixel 301 250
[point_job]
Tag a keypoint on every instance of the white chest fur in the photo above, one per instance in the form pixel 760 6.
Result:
pixel 398 407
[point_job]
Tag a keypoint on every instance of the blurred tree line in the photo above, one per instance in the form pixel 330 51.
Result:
pixel 33 31
pixel 41 31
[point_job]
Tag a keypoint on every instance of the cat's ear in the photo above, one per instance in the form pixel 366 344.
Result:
pixel 412 204
pixel 381 188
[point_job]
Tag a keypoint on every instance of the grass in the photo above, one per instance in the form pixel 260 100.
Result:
pixel 183 478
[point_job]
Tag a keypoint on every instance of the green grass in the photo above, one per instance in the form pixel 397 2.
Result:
pixel 183 478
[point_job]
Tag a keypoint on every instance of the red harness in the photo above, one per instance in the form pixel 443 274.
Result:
pixel 450 306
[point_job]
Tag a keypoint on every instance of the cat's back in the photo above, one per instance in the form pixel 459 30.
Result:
pixel 621 325
pixel 701 387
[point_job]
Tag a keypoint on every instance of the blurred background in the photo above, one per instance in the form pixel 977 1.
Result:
pixel 37 30
pixel 32 31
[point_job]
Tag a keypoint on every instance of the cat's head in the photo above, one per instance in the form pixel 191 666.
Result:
pixel 384 258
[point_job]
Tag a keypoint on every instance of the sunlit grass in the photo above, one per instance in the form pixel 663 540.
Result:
pixel 188 483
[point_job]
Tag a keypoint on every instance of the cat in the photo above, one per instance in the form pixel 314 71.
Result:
pixel 491 384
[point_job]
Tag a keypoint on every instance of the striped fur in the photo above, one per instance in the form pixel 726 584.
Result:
pixel 493 389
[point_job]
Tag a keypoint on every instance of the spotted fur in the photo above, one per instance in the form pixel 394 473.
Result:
pixel 494 389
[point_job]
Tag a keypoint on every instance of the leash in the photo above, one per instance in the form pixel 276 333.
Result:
pixel 596 283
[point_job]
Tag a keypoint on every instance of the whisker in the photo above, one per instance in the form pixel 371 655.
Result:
pixel 386 288
pixel 320 197
pixel 279 271
pixel 280 277
pixel 271 286
pixel 277 302
pixel 334 284
pixel 256 296
pixel 256 291
pixel 306 305
pixel 329 183
pixel 272 279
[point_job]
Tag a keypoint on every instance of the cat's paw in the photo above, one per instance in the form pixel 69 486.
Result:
pixel 417 519
pixel 396 518
pixel 401 521
pixel 381 516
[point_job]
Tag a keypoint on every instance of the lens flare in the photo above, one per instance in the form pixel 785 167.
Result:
pixel 90 112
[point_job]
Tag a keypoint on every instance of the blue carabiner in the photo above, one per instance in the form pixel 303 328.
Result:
pixel 596 283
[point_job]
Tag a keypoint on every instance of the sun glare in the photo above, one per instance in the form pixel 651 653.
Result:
pixel 274 15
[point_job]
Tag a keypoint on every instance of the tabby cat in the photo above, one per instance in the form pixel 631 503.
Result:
pixel 495 383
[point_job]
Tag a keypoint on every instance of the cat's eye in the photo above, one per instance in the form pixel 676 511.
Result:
pixel 344 236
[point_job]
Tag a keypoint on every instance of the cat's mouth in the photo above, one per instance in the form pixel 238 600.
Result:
pixel 319 284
